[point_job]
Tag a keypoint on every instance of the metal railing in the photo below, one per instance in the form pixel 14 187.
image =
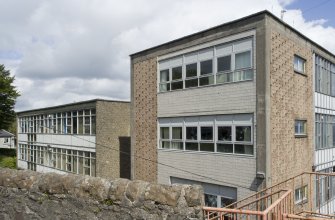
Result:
pixel 309 195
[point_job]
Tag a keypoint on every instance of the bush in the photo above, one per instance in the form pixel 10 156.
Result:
pixel 7 152
pixel 8 162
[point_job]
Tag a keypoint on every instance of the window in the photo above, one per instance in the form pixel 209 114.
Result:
pixel 164 81
pixel 300 127
pixel 165 136
pixel 299 64
pixel 177 136
pixel 206 68
pixel 300 195
pixel 324 131
pixel 229 62
pixel 206 143
pixel 191 75
pixel 207 135
pixel 191 138
pixel 177 81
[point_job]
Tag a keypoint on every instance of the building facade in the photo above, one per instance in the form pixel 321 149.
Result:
pixel 86 138
pixel 6 139
pixel 232 108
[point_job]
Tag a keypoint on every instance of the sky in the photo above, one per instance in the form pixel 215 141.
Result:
pixel 64 51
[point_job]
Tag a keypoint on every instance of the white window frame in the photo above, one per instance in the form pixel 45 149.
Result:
pixel 300 133
pixel 300 60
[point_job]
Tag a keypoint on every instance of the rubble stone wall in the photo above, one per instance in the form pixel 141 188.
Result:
pixel 31 195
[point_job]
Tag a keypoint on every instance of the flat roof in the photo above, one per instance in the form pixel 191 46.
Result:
pixel 70 104
pixel 200 33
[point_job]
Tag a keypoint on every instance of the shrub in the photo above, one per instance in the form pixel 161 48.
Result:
pixel 8 162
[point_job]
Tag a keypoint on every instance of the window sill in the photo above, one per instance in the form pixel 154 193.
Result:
pixel 300 73
pixel 301 202
pixel 300 135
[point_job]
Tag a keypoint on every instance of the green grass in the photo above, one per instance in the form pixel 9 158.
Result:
pixel 8 162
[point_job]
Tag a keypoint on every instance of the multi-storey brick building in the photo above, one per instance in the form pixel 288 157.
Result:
pixel 233 108
pixel 89 137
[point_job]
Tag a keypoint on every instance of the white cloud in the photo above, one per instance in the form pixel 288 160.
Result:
pixel 79 49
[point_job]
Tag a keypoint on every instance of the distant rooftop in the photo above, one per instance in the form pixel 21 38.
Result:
pixel 4 134
pixel 71 104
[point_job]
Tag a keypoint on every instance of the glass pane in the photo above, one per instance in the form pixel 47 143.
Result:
pixel 87 129
pixel 164 77
pixel 224 133
pixel 80 128
pixel 176 85
pixel 163 87
pixel 206 67
pixel 177 133
pixel 93 167
pixel 176 73
pixel 74 125
pixel 207 147
pixel 225 77
pixel 191 146
pixel 93 124
pixel 224 63
pixel 211 200
pixel 244 149
pixel 165 133
pixel 226 201
pixel 191 83
pixel 191 70
pixel 165 144
pixel 243 60
pixel 243 133
pixel 225 148
pixel 191 133
pixel 206 133
pixel 203 81
pixel 177 145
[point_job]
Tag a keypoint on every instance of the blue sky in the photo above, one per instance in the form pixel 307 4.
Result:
pixel 315 10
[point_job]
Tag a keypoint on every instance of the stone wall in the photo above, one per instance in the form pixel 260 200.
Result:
pixel 31 195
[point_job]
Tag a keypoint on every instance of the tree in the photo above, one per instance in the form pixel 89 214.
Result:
pixel 8 95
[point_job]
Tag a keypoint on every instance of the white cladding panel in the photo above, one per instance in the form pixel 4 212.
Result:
pixel 211 100
pixel 43 169
pixel 220 167
pixel 84 141
pixel 324 158
pixel 22 164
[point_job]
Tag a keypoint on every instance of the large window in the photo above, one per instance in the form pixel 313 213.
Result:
pixel 226 63
pixel 207 134
pixel 324 131
pixel 72 122
pixel 72 161
pixel 324 76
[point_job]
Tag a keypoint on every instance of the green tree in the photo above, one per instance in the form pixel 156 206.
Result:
pixel 8 95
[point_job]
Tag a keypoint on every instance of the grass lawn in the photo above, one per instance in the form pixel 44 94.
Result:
pixel 7 161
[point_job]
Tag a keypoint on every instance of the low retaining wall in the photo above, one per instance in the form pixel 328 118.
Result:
pixel 31 195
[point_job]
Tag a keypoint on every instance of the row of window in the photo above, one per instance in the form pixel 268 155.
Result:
pixel 230 62
pixel 74 161
pixel 324 76
pixel 324 131
pixel 234 139
pixel 74 122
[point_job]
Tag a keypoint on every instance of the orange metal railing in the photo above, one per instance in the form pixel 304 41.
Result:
pixel 309 195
